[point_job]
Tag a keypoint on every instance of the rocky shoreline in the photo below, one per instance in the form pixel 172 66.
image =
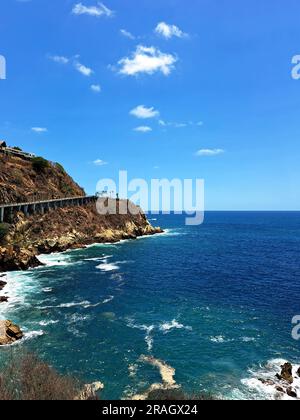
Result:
pixel 67 229
pixel 285 383
pixel 9 333
pixel 15 258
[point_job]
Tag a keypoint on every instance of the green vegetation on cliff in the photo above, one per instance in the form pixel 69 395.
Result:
pixel 24 180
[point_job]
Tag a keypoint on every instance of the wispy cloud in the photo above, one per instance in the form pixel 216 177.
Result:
pixel 209 152
pixel 147 60
pixel 164 123
pixel 81 68
pixel 99 10
pixel 127 34
pixel 99 162
pixel 86 71
pixel 39 130
pixel 59 59
pixel 143 112
pixel 143 129
pixel 96 88
pixel 169 31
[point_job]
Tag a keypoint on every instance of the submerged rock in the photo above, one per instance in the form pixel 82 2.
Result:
pixel 2 284
pixel 291 393
pixel 9 333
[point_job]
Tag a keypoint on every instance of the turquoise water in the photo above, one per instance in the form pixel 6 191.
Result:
pixel 213 301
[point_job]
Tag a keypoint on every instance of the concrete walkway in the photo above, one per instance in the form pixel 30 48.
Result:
pixel 7 211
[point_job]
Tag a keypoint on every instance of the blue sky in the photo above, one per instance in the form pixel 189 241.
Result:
pixel 213 76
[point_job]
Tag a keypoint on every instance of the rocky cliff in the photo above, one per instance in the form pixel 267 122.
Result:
pixel 21 181
pixel 60 229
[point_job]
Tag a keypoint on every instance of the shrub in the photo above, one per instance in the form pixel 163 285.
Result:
pixel 4 228
pixel 27 378
pixel 39 164
pixel 60 167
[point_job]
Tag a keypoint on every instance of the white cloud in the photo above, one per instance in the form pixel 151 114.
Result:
pixel 147 60
pixel 169 31
pixel 86 71
pixel 96 88
pixel 143 129
pixel 59 59
pixel 97 11
pixel 127 34
pixel 144 113
pixel 39 129
pixel 99 162
pixel 210 152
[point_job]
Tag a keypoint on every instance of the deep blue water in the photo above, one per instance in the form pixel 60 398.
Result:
pixel 213 301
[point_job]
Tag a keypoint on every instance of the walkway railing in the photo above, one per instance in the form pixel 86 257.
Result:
pixel 7 211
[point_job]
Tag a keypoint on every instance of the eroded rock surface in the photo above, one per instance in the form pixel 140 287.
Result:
pixel 9 333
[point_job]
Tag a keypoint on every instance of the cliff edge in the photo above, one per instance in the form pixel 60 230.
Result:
pixel 22 240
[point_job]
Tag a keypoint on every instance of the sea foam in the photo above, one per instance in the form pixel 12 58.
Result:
pixel 262 381
pixel 168 326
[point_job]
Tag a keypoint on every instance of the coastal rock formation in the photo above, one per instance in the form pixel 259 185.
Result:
pixel 9 333
pixel 67 228
pixel 3 299
pixel 13 258
pixel 286 373
pixel 25 237
pixel 285 384
pixel 167 375
pixel 19 182
pixel 90 391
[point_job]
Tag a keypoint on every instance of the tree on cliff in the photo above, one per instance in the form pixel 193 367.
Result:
pixel 39 164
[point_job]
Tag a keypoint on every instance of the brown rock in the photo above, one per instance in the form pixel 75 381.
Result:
pixel 291 393
pixel 9 333
pixel 3 299
pixel 16 258
pixel 279 389
pixel 286 373
pixel 298 372
pixel 267 382
pixel 2 284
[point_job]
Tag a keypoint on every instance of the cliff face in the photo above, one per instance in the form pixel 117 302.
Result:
pixel 20 182
pixel 60 229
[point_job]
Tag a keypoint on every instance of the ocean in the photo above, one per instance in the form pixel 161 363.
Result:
pixel 215 302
